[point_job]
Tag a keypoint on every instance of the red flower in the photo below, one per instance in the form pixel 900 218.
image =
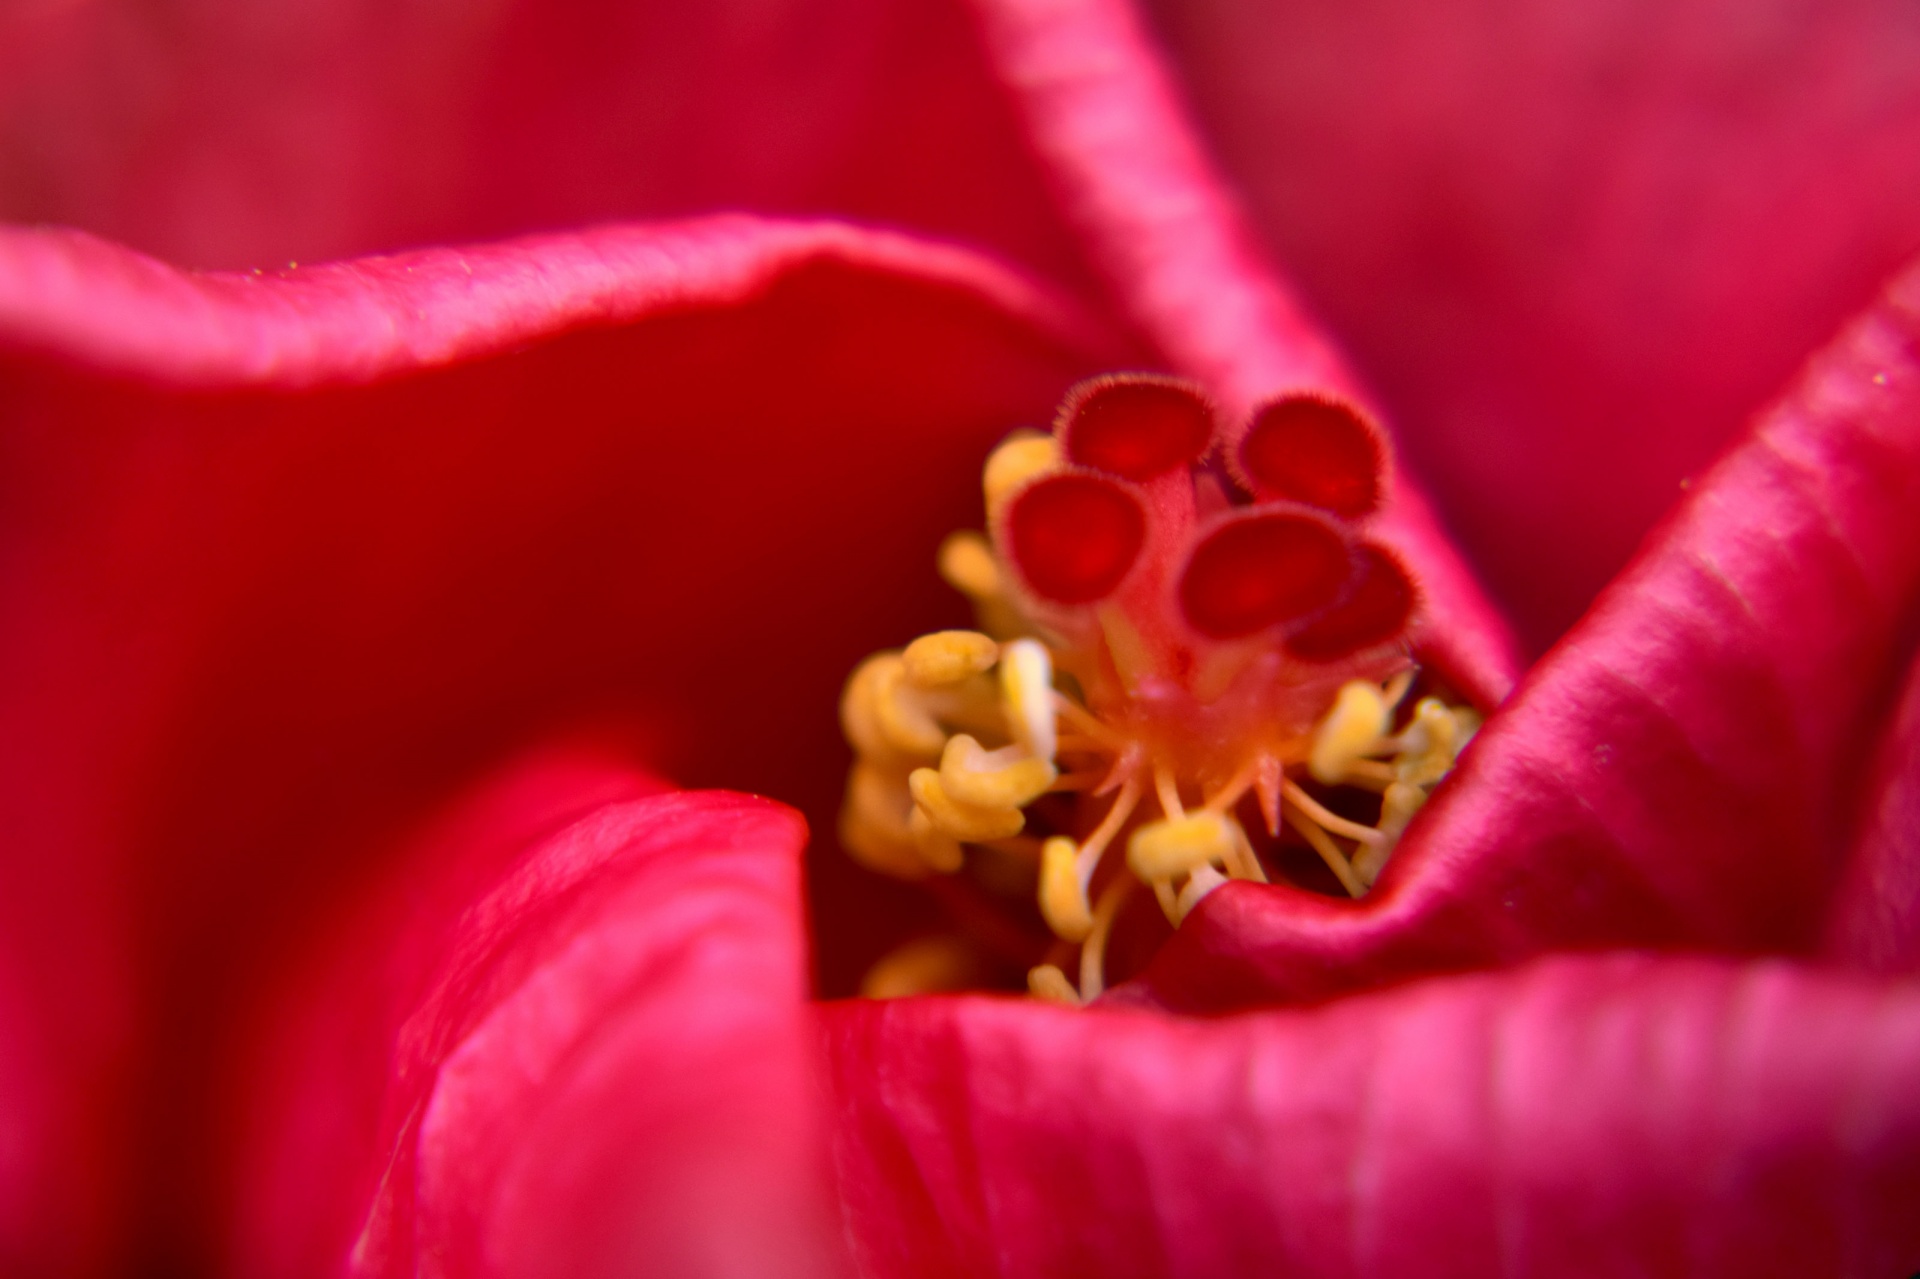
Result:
pixel 296 966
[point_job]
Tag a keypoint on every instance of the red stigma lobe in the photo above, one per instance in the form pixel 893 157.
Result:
pixel 1135 426
pixel 1376 609
pixel 1314 450
pixel 1074 536
pixel 1262 569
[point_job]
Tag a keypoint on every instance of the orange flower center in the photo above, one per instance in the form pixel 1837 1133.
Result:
pixel 1189 653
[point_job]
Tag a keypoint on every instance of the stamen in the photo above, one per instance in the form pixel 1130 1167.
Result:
pixel 1245 863
pixel 937 848
pixel 947 657
pixel 1026 682
pixel 966 564
pixel 1174 846
pixel 1063 891
pixel 1239 784
pixel 961 821
pixel 1093 953
pixel 1046 981
pixel 1351 729
pixel 1336 860
pixel 1168 791
pixel 1023 456
pixel 1339 825
pixel 1006 778
pixel 1144 632
pixel 923 966
pixel 906 724
pixel 1202 881
pixel 874 822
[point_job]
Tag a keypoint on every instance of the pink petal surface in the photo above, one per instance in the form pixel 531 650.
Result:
pixel 226 135
pixel 1596 1117
pixel 1875 921
pixel 569 1037
pixel 1177 255
pixel 1574 246
pixel 252 632
pixel 69 294
pixel 1682 769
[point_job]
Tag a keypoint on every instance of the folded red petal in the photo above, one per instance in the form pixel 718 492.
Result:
pixel 1682 769
pixel 1575 246
pixel 568 1038
pixel 68 294
pixel 1875 921
pixel 1605 1116
pixel 234 137
pixel 1182 264
pixel 627 479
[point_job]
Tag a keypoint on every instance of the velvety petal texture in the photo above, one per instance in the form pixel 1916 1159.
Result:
pixel 1179 259
pixel 1684 768
pixel 570 1039
pixel 1875 922
pixel 222 134
pixel 1573 246
pixel 285 561
pixel 1598 1117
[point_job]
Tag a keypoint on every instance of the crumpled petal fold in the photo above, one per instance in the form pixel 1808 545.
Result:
pixel 1685 768
pixel 286 561
pixel 569 1037
pixel 1613 1115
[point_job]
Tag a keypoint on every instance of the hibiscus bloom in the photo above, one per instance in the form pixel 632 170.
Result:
pixel 296 973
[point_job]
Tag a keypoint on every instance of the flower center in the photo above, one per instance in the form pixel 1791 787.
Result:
pixel 1191 665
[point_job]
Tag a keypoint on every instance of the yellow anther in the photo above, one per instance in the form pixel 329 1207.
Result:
pixel 1200 881
pixel 961 821
pixel 875 822
pixel 947 657
pixel 1163 849
pixel 1021 457
pixel 1026 682
pixel 1357 721
pixel 936 848
pixel 1397 808
pixel 923 966
pixel 1046 981
pixel 1063 898
pixel 968 566
pixel 857 718
pixel 905 722
pixel 1006 778
pixel 1429 744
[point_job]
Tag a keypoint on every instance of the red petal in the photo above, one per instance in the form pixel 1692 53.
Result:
pixel 1611 1116
pixel 1377 610
pixel 1135 425
pixel 1308 448
pixel 1260 569
pixel 1681 771
pixel 1163 230
pixel 1074 536
pixel 1577 275
pixel 557 1043
pixel 251 631
pixel 315 135
pixel 1875 921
